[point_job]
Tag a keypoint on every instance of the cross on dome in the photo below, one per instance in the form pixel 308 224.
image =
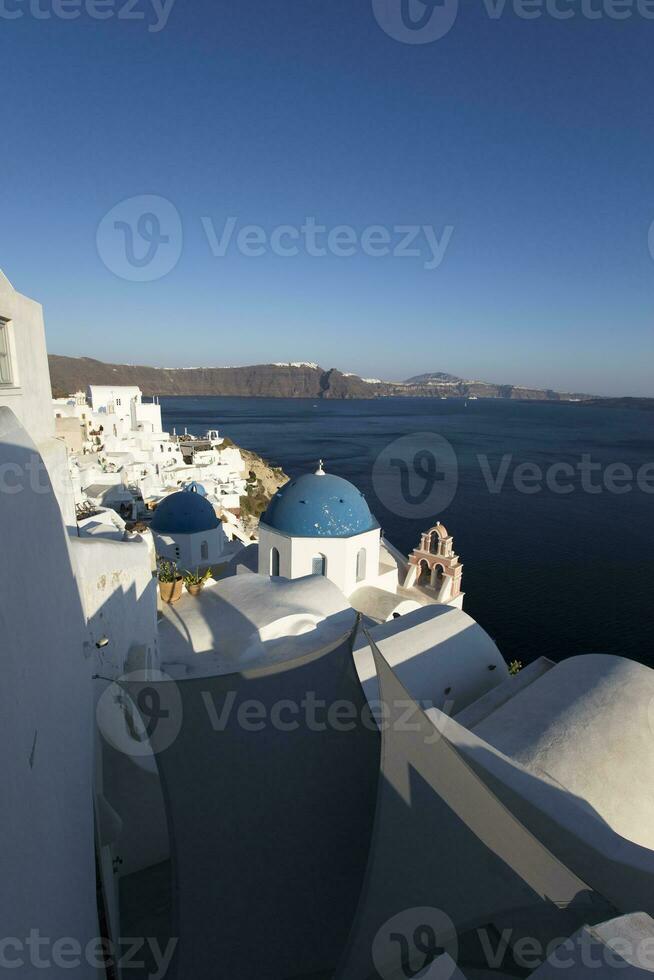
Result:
pixel 321 468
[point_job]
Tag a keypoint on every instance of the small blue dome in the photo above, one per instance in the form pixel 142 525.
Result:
pixel 185 512
pixel 195 487
pixel 319 505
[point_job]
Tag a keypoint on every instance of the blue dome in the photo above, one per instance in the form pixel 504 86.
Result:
pixel 186 512
pixel 319 505
pixel 194 487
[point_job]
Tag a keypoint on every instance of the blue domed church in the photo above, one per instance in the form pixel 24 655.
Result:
pixel 187 531
pixel 320 524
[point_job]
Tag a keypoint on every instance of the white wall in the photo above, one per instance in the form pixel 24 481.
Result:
pixel 30 397
pixel 146 414
pixel 119 595
pixel 116 401
pixel 47 867
pixel 297 554
pixel 440 654
pixel 186 549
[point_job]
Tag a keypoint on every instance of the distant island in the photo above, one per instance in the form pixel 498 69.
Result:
pixel 644 404
pixel 283 380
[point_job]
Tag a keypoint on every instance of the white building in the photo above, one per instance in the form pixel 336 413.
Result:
pixel 120 455
pixel 25 389
pixel 187 531
pixel 320 524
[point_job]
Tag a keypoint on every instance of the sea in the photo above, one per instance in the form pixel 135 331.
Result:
pixel 551 505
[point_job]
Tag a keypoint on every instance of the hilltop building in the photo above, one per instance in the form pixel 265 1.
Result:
pixel 120 457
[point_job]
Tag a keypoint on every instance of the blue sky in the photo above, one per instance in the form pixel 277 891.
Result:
pixel 532 141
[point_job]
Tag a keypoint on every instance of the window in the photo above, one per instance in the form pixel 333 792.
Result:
pixel 6 373
pixel 361 565
pixel 319 565
pixel 204 551
pixel 274 562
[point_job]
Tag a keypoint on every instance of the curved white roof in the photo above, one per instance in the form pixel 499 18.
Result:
pixel 439 653
pixel 248 619
pixel 589 724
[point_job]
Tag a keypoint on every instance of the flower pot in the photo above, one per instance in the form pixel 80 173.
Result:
pixel 171 591
pixel 194 589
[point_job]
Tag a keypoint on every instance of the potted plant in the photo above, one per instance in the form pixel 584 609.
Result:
pixel 195 582
pixel 171 583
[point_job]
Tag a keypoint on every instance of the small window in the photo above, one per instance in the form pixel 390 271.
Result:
pixel 274 562
pixel 361 565
pixel 319 565
pixel 204 551
pixel 6 373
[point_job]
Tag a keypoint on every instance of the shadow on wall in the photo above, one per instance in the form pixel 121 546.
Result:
pixel 46 725
pixel 444 846
pixel 269 814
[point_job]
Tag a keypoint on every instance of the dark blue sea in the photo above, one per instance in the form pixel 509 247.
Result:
pixel 545 572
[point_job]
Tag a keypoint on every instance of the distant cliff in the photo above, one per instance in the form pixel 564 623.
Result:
pixel 69 374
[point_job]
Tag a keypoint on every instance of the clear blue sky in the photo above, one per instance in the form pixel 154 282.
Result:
pixel 533 139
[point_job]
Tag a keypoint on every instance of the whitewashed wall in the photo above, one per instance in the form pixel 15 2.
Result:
pixel 297 554
pixel 47 866
pixel 119 595
pixel 30 395
pixel 186 549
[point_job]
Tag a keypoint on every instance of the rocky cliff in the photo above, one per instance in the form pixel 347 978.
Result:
pixel 69 374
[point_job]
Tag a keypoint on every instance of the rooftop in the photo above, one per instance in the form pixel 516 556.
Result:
pixel 319 505
pixel 185 512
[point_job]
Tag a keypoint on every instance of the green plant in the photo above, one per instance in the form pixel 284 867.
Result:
pixel 515 667
pixel 191 578
pixel 167 570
